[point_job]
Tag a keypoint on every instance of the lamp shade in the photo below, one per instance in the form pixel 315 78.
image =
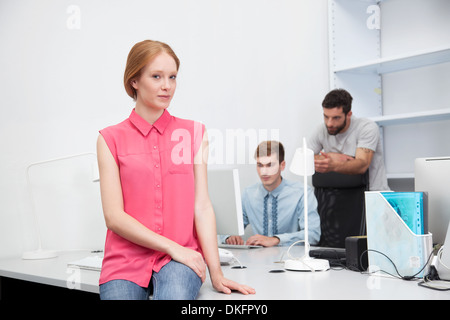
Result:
pixel 303 164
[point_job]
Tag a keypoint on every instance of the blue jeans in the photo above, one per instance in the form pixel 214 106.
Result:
pixel 175 281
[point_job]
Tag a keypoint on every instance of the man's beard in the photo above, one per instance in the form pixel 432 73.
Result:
pixel 338 129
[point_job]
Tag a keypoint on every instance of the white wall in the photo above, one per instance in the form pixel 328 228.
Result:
pixel 256 65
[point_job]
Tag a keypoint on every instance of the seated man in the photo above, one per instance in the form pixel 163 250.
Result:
pixel 274 207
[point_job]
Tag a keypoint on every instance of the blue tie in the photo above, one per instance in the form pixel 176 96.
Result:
pixel 274 215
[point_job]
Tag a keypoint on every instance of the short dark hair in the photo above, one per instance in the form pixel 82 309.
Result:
pixel 266 148
pixel 338 98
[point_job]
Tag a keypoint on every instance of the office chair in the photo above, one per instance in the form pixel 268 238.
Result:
pixel 341 206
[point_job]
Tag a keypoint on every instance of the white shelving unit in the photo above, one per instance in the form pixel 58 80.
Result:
pixel 413 117
pixel 357 65
pixel 402 62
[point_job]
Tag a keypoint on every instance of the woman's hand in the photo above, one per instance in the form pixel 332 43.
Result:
pixel 190 258
pixel 222 284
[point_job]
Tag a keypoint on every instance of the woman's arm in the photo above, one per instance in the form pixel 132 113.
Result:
pixel 205 223
pixel 119 222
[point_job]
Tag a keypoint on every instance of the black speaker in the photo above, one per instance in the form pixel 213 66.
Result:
pixel 354 248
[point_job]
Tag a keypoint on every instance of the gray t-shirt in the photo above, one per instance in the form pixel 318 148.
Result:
pixel 362 133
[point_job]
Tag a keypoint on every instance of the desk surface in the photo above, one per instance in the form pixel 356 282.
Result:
pixel 288 285
pixel 331 284
pixel 52 271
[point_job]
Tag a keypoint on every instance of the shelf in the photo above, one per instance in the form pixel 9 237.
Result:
pixel 414 117
pixel 401 62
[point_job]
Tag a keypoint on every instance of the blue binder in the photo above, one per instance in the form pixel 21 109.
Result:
pixel 412 208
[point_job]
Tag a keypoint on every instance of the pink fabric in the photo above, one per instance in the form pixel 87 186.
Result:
pixel 157 176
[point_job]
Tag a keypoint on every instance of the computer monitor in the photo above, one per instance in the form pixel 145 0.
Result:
pixel 432 175
pixel 443 265
pixel 225 194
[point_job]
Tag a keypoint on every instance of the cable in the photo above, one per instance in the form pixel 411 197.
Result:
pixel 424 283
pixel 432 280
pixel 287 252
pixel 407 278
pixel 289 255
pixel 241 266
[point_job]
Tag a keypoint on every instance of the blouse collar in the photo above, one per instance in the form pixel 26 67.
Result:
pixel 144 127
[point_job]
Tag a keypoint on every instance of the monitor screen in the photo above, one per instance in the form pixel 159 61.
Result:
pixel 225 194
pixel 432 175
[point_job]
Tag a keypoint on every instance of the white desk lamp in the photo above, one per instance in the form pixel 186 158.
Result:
pixel 40 253
pixel 303 165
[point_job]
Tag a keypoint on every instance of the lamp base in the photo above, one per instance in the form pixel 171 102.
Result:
pixel 307 264
pixel 39 254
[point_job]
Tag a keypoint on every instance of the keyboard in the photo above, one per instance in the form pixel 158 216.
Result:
pixel 328 253
pixel 238 246
pixel 88 263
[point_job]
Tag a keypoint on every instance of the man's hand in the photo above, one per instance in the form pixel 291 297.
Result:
pixel 337 162
pixel 260 240
pixel 234 240
pixel 327 162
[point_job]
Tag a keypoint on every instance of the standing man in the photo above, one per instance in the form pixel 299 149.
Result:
pixel 274 206
pixel 346 144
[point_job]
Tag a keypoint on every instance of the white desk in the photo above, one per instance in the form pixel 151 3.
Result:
pixel 52 272
pixel 332 284
pixel 288 285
